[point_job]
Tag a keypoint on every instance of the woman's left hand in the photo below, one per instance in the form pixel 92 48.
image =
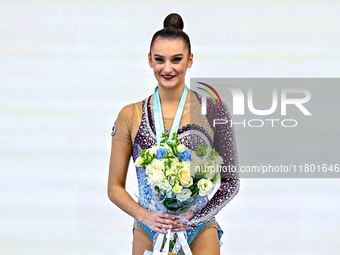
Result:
pixel 181 226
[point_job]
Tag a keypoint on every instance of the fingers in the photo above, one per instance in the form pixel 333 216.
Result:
pixel 177 229
pixel 160 222
pixel 180 226
pixel 168 216
pixel 165 220
pixel 169 222
pixel 164 226
pixel 162 231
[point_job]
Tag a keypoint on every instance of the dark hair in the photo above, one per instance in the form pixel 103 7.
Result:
pixel 173 29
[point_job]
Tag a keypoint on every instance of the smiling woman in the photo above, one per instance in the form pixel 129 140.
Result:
pixel 170 60
pixel 138 127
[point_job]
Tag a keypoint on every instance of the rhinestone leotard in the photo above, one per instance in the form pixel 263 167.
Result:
pixel 196 129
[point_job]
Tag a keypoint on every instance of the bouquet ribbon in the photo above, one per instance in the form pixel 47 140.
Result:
pixel 181 238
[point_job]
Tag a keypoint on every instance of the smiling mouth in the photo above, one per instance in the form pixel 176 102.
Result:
pixel 168 77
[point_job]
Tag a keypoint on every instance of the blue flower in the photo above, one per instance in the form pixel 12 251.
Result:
pixel 160 153
pixel 185 155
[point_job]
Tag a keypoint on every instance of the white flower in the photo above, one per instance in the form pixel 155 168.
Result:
pixel 153 149
pixel 154 175
pixel 173 167
pixel 150 169
pixel 170 172
pixel 183 195
pixel 158 164
pixel 165 185
pixel 196 162
pixel 184 175
pixel 174 162
pixel 177 188
pixel 204 186
pixel 218 160
pixel 210 171
pixel 139 161
pixel 180 148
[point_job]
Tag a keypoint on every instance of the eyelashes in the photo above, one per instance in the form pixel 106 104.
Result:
pixel 175 60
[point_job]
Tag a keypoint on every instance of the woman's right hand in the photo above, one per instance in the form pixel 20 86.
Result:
pixel 158 220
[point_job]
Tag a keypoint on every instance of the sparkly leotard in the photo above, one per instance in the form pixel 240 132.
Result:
pixel 193 130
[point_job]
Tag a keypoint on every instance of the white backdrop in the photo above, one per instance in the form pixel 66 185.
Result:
pixel 68 67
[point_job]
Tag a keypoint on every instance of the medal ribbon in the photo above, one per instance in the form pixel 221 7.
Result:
pixel 157 111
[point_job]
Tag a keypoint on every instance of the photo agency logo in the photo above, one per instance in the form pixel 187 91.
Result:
pixel 243 101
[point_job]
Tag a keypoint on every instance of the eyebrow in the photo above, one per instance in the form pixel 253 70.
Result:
pixel 177 55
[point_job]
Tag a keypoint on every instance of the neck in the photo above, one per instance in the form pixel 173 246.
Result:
pixel 169 96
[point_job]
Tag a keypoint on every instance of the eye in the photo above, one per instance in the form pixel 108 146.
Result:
pixel 159 59
pixel 176 60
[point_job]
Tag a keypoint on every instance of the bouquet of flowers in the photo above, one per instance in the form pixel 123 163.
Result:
pixel 178 176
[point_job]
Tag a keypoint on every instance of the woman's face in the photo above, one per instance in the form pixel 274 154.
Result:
pixel 169 60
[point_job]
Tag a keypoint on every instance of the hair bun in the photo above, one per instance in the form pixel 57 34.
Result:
pixel 173 20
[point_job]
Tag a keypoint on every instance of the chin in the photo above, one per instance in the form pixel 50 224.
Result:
pixel 169 85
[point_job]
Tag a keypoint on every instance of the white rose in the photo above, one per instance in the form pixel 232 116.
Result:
pixel 183 195
pixel 204 186
pixel 184 176
pixel 180 148
pixel 139 161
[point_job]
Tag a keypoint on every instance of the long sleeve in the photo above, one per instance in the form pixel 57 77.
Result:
pixel 225 144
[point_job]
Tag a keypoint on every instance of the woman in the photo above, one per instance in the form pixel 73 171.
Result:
pixel 170 56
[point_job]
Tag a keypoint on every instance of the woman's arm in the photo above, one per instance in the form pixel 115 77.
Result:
pixel 119 163
pixel 225 145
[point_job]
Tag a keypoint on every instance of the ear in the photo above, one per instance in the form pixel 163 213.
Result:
pixel 190 62
pixel 150 60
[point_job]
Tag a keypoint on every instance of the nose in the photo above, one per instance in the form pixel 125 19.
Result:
pixel 167 67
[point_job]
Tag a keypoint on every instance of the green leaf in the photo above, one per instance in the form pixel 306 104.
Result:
pixel 195 193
